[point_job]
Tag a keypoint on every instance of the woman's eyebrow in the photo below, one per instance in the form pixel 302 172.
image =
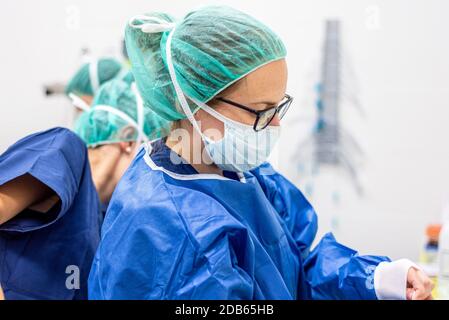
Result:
pixel 268 103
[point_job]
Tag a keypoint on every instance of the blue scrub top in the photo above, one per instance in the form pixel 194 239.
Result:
pixel 49 255
pixel 171 233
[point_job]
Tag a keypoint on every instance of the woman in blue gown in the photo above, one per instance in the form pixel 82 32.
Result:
pixel 201 214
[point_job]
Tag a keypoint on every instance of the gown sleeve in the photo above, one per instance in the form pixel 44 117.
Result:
pixel 57 159
pixel 332 270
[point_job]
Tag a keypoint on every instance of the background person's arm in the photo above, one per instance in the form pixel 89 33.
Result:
pixel 22 193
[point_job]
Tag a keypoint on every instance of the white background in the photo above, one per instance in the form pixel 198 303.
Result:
pixel 399 51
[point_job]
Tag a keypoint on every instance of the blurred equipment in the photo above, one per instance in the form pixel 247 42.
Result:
pixel 429 255
pixel 333 146
pixel 443 257
pixel 57 88
pixel 330 150
pixel 428 259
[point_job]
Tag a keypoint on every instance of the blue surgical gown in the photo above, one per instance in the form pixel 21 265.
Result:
pixel 171 233
pixel 40 252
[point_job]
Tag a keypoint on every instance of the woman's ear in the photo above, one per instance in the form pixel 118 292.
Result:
pixel 126 147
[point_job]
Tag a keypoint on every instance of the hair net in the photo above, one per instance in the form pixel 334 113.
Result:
pixel 92 75
pixel 211 49
pixel 116 116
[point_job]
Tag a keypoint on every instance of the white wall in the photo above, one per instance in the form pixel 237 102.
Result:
pixel 400 59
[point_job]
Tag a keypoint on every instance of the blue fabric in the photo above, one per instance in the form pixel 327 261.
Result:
pixel 36 248
pixel 179 235
pixel 161 157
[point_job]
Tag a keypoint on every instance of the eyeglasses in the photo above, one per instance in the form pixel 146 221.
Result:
pixel 264 117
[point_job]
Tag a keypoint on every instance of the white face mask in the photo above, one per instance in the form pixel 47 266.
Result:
pixel 241 149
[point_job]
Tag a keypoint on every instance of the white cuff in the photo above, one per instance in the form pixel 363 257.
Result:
pixel 390 279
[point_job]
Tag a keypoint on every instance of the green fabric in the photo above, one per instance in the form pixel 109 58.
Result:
pixel 98 127
pixel 80 84
pixel 212 48
pixel 128 77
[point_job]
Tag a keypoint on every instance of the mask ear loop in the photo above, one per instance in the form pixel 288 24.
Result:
pixel 79 103
pixel 142 139
pixel 179 93
pixel 183 101
pixel 122 73
pixel 148 25
pixel 151 24
pixel 93 75
pixel 182 98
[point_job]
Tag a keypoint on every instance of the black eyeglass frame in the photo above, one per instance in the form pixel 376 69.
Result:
pixel 286 104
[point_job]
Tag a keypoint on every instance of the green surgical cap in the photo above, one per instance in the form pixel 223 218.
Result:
pixel 114 117
pixel 82 82
pixel 212 48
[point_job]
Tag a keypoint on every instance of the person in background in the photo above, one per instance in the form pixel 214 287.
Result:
pixel 49 217
pixel 52 187
pixel 89 78
pixel 201 214
pixel 113 129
